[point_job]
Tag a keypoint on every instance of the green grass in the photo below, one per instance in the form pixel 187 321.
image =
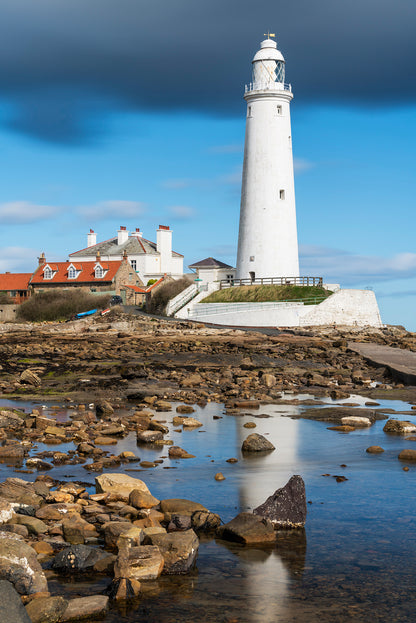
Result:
pixel 263 294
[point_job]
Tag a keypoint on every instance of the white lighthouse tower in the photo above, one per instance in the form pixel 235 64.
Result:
pixel 267 240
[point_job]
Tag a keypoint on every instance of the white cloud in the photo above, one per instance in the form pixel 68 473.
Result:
pixel 106 210
pixel 18 260
pixel 341 266
pixel 15 212
pixel 301 164
pixel 182 212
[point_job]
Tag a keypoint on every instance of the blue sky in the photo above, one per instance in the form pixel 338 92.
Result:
pixel 93 137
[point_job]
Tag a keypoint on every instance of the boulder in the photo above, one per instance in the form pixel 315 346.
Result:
pixel 407 455
pixel 33 524
pixel 124 589
pixel 112 531
pixel 76 530
pixel 11 608
pixel 356 421
pixel 191 422
pixel 141 499
pixel 11 451
pixel 257 443
pixel 77 559
pixel 269 380
pixel 248 529
pixel 375 449
pixel 6 511
pixel 286 508
pixel 178 506
pixel 149 436
pixel 20 566
pixel 9 418
pixel 205 521
pixel 144 562
pixel 103 409
pixel 175 452
pixel 179 550
pixel 179 523
pixel 399 427
pixel 46 609
pixel 121 484
pixel 85 608
pixel 184 409
pixel 30 378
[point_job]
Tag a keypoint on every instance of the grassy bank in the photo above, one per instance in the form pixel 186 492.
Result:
pixel 262 294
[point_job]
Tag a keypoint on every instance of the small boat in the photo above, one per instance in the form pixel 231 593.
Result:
pixel 105 312
pixel 83 314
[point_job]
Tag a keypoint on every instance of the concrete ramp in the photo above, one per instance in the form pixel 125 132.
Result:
pixel 401 363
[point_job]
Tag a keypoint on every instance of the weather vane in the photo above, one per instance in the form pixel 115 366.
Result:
pixel 269 34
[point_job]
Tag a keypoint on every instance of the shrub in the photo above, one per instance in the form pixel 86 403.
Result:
pixel 60 305
pixel 151 282
pixel 165 293
pixel 5 299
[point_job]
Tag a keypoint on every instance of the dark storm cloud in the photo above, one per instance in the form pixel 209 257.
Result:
pixel 63 62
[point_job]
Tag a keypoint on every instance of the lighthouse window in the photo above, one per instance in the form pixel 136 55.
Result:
pixel 251 258
pixel 249 111
pixel 279 110
pixel 281 194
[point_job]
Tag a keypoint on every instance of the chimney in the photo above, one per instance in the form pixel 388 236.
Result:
pixel 91 238
pixel 125 255
pixel 42 259
pixel 98 257
pixel 137 233
pixel 123 235
pixel 164 247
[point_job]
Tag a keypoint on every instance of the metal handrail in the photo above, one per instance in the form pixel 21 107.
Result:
pixel 280 281
pixel 232 308
pixel 267 86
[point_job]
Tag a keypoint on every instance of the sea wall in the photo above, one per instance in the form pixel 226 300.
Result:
pixel 344 307
pixel 8 313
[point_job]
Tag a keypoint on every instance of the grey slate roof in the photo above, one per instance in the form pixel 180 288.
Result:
pixel 133 246
pixel 209 262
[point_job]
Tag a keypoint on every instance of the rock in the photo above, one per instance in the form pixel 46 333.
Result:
pixel 112 531
pixel 85 608
pixel 175 452
pixel 20 491
pixel 20 566
pixel 374 449
pixel 269 380
pixel 149 436
pixel 30 378
pixel 179 523
pixel 257 443
pixel 248 529
pixel 205 521
pixel 38 464
pixel 342 428
pixel 11 608
pixel 15 529
pixel 286 508
pixel 192 380
pixel 77 559
pixel 191 422
pixel 76 530
pixel 6 511
pixel 103 409
pixel 178 506
pixel 43 547
pixel 121 484
pixel 46 609
pixel 11 451
pixel 141 499
pixel 184 409
pixel 357 422
pixel 9 418
pixel 163 405
pixel 33 524
pixel 124 589
pixel 179 550
pixel 399 427
pixel 407 455
pixel 219 476
pixel 144 562
pixel 105 441
pixel 55 512
pixel 250 425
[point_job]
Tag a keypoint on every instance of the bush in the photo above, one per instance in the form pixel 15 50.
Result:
pixel 150 282
pixel 60 305
pixel 165 293
pixel 5 299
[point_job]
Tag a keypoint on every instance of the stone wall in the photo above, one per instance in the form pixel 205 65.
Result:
pixel 8 313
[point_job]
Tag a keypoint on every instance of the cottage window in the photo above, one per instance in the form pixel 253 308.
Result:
pixel 47 273
pixel 72 273
pixel 99 273
pixel 133 264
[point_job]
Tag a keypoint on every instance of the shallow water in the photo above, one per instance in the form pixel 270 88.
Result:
pixel 355 561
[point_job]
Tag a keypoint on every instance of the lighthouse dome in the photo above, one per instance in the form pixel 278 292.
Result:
pixel 268 51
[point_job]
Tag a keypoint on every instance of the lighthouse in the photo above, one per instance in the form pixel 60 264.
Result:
pixel 267 240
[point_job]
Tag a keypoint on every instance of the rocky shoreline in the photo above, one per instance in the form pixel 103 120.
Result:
pixel 100 370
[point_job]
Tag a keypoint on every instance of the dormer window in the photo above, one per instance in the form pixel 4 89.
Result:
pixel 72 273
pixel 47 273
pixel 99 272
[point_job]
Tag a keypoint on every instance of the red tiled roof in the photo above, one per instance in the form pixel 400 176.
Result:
pixel 144 290
pixel 14 281
pixel 87 274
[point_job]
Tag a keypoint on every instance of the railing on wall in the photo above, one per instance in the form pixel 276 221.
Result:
pixel 278 281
